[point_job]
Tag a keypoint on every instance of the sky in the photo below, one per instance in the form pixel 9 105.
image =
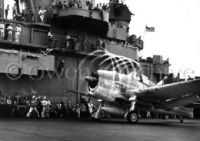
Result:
pixel 177 31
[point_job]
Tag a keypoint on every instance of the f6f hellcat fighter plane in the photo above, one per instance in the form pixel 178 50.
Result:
pixel 128 94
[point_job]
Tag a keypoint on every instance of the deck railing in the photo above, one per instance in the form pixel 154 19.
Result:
pixel 24 32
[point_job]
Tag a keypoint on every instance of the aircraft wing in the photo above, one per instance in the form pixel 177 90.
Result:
pixel 79 93
pixel 168 91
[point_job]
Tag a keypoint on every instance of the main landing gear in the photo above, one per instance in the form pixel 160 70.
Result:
pixel 96 116
pixel 132 117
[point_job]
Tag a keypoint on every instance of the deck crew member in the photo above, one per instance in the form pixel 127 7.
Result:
pixel 2 30
pixel 18 30
pixel 65 5
pixel 33 107
pixel 42 12
pixel 6 11
pixel 45 107
pixel 10 31
pixel 90 106
pixel 14 11
pixel 50 36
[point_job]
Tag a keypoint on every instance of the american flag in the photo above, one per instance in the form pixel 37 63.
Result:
pixel 150 29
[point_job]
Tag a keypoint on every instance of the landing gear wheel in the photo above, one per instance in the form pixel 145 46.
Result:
pixel 132 117
pixel 181 119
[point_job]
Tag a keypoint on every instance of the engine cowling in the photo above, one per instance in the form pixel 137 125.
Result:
pixel 103 88
pixel 92 80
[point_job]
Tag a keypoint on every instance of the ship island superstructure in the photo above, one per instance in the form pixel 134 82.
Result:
pixel 46 46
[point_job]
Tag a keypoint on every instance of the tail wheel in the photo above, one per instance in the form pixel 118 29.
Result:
pixel 132 117
pixel 181 119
